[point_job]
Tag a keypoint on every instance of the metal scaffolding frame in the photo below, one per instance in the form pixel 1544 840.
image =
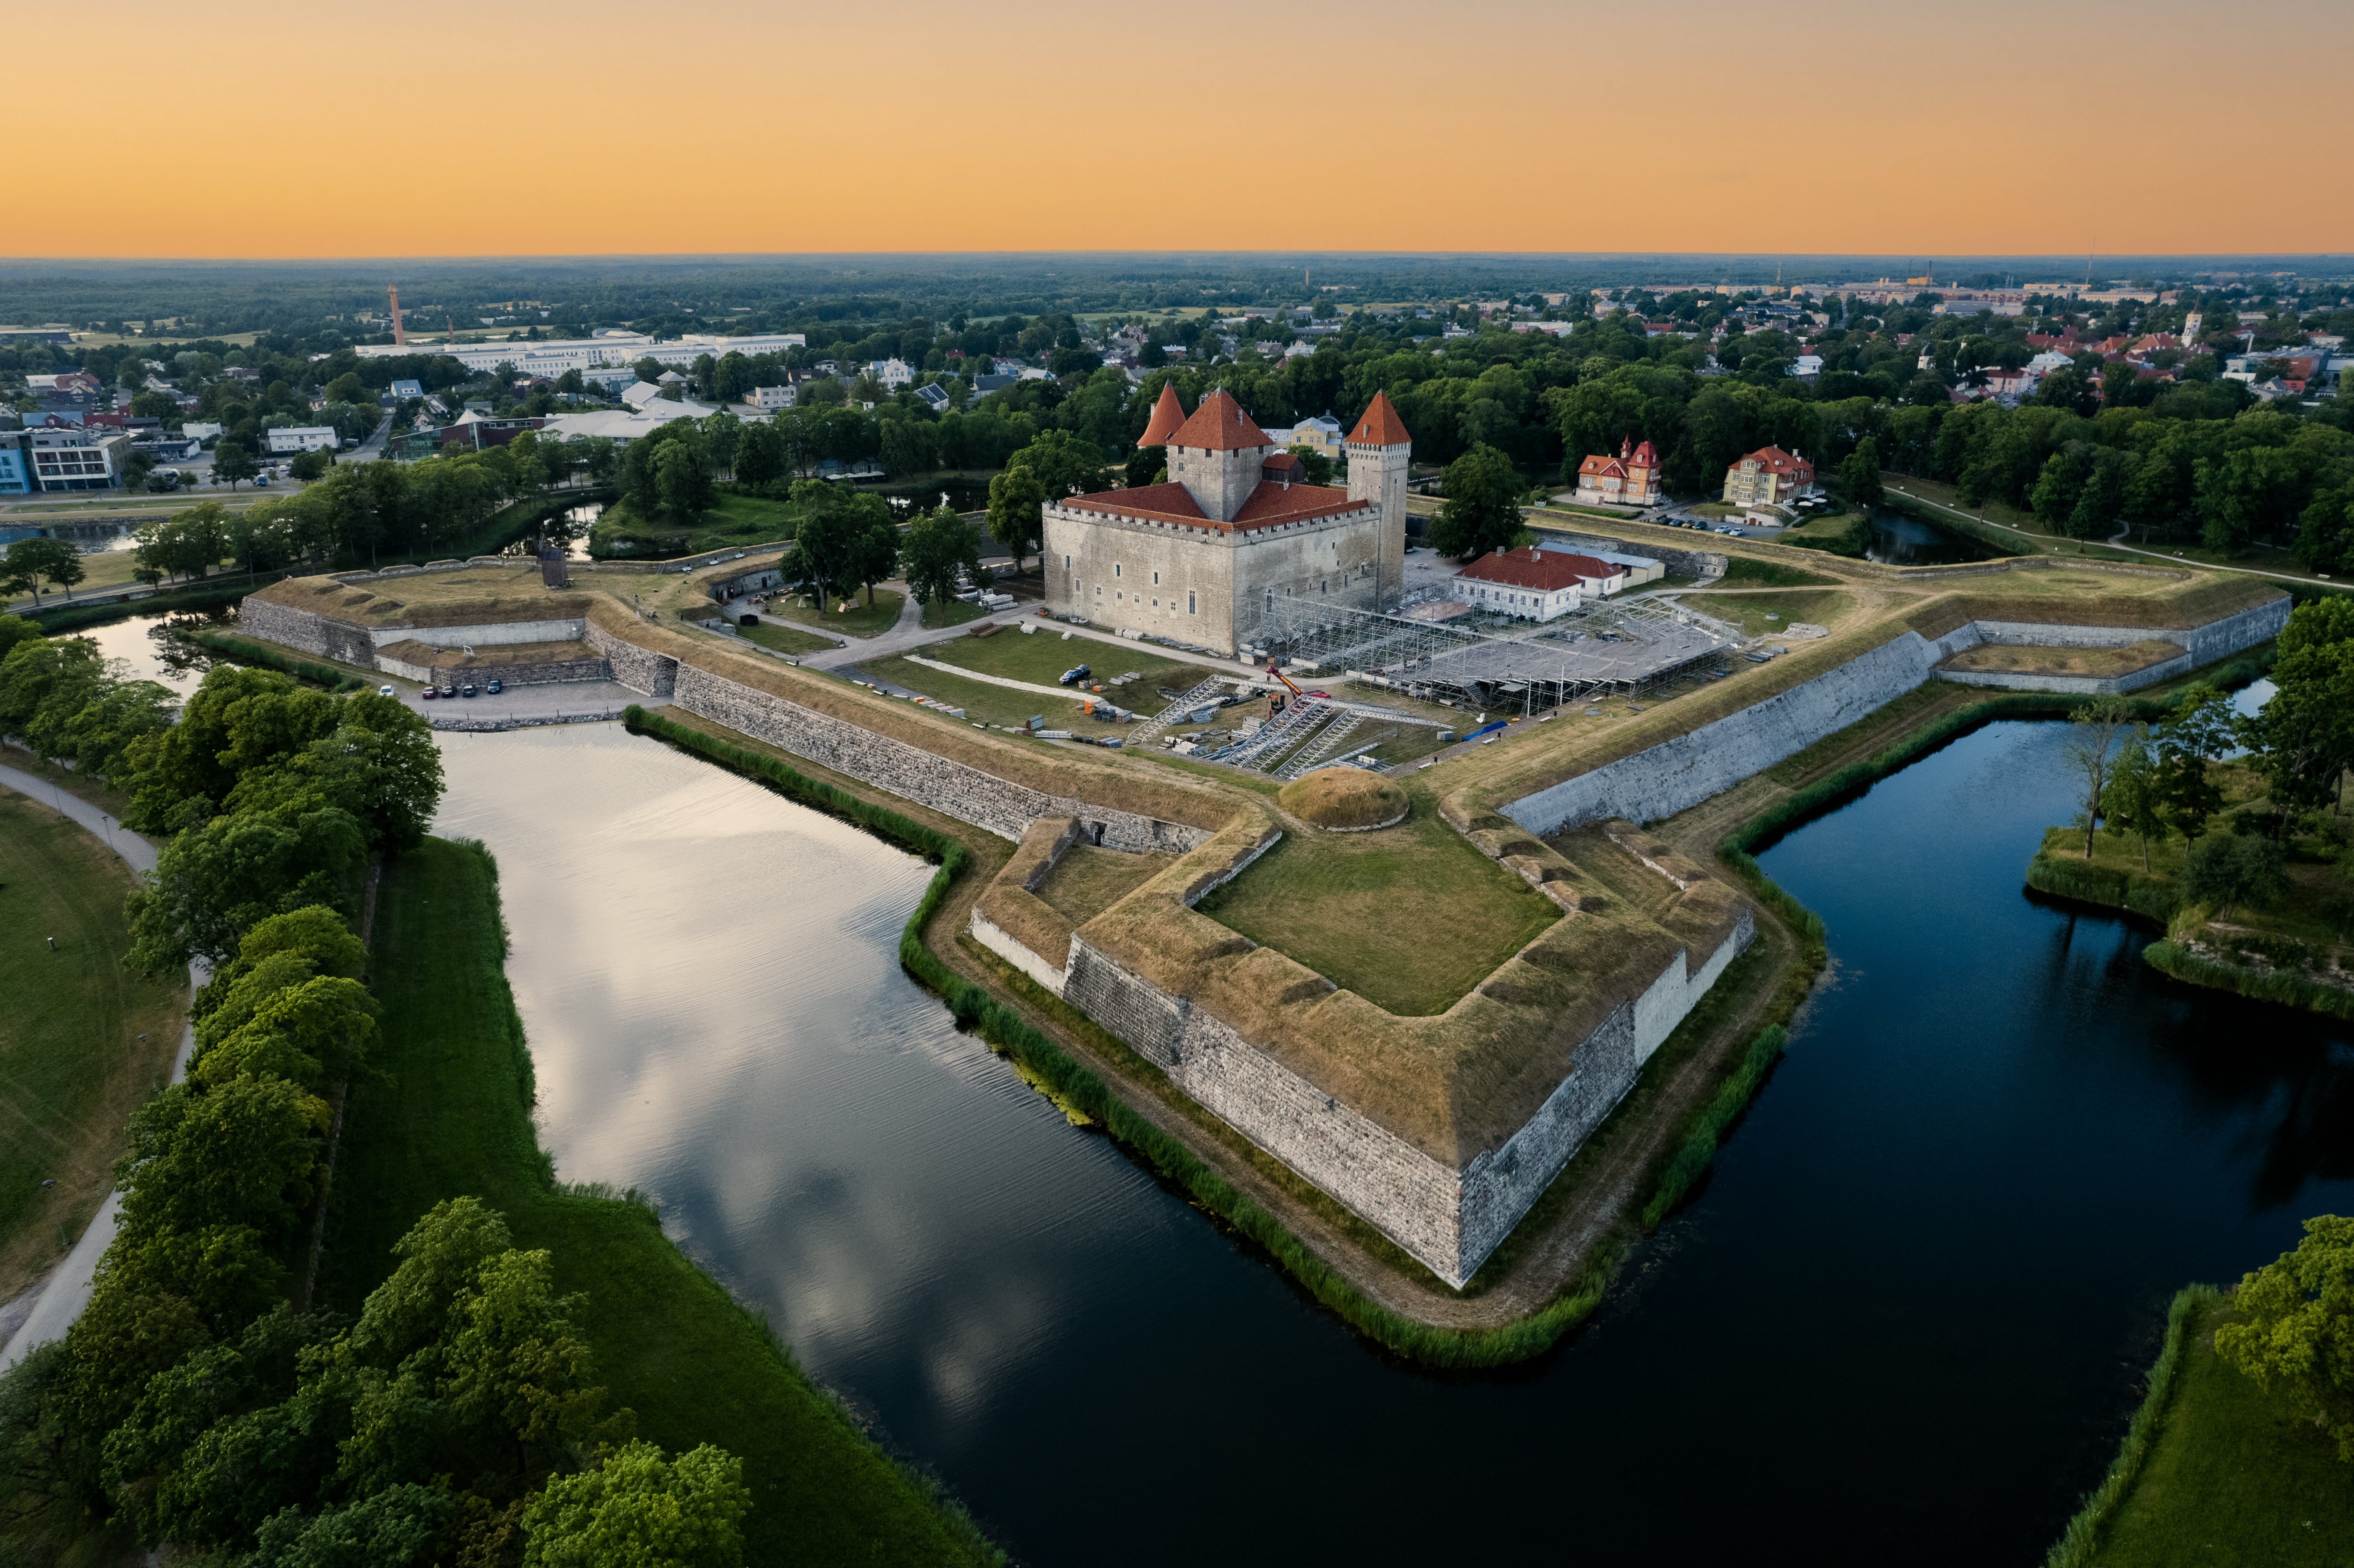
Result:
pixel 1605 648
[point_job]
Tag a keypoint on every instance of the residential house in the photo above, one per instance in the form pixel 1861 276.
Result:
pixel 404 390
pixel 302 439
pixel 1769 477
pixel 934 397
pixel 74 459
pixel 769 400
pixel 1631 479
pixel 893 373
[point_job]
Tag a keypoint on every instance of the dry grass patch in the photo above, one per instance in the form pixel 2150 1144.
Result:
pixel 1348 799
pixel 1410 918
pixel 2032 659
pixel 1087 880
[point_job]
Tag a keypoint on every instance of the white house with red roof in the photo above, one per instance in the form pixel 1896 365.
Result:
pixel 1631 479
pixel 1537 584
pixel 1201 556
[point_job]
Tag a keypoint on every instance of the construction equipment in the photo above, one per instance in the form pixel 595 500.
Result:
pixel 1276 701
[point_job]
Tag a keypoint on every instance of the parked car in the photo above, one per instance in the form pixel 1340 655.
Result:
pixel 1076 673
pixel 386 692
pixel 467 690
pixel 495 688
pixel 430 693
pixel 450 689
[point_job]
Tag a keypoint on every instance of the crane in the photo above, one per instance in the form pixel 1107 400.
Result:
pixel 1276 700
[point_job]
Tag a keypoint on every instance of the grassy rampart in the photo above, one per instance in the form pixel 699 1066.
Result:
pixel 2211 1469
pixel 449 1113
pixel 271 656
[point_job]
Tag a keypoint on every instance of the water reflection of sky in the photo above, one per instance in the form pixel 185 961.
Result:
pixel 1996 1146
pixel 145 644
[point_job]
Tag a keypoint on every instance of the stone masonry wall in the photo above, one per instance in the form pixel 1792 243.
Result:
pixel 546 674
pixel 990 934
pixel 306 629
pixel 1694 564
pixel 957 790
pixel 639 669
pixel 1668 777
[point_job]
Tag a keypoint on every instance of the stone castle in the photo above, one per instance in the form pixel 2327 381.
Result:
pixel 1201 556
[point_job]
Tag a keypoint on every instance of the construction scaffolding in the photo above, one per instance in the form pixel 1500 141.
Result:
pixel 1606 647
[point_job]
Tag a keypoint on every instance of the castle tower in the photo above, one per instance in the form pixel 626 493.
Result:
pixel 1217 455
pixel 1379 449
pixel 1168 418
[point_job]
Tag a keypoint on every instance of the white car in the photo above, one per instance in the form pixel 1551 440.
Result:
pixel 386 692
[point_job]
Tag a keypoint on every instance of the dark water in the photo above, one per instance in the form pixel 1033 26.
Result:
pixel 1908 542
pixel 1903 1321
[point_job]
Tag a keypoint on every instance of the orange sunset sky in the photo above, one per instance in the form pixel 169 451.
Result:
pixel 300 128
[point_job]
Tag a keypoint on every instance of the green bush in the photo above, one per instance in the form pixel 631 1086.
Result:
pixel 2288 990
pixel 2156 898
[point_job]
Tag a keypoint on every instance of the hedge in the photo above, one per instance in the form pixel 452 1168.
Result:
pixel 2290 990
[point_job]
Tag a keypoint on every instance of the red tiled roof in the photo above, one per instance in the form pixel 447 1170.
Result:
pixel 1285 466
pixel 1219 424
pixel 1268 505
pixel 1774 460
pixel 1379 425
pixel 1602 466
pixel 1167 415
pixel 1547 571
pixel 1646 456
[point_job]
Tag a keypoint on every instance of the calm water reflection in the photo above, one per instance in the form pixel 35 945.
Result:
pixel 147 643
pixel 1908 542
pixel 1911 1304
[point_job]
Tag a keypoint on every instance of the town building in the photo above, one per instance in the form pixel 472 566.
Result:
pixel 1202 558
pixel 302 439
pixel 553 357
pixel 1535 584
pixel 76 459
pixel 1769 477
pixel 1631 479
pixel 16 463
pixel 893 373
pixel 1321 435
pixel 473 433
pixel 402 391
pixel 769 400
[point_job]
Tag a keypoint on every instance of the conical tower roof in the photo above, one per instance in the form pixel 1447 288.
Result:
pixel 1219 424
pixel 1380 426
pixel 1167 415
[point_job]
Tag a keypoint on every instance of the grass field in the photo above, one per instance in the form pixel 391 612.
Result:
pixel 1088 880
pixel 1042 656
pixel 2231 1482
pixel 453 1115
pixel 1356 909
pixel 2020 658
pixel 1742 571
pixel 736 519
pixel 783 638
pixel 72 1067
pixel 1761 615
pixel 943 613
pixel 861 619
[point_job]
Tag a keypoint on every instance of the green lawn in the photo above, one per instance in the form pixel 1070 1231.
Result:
pixel 1088 880
pixel 1741 571
pixel 736 519
pixel 943 613
pixel 983 703
pixel 2231 1482
pixel 862 621
pixel 783 638
pixel 1761 615
pixel 1042 656
pixel 72 1067
pixel 452 1116
pixel 1355 907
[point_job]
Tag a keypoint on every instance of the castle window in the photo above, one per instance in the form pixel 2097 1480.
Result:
pixel 1115 568
pixel 1067 563
pixel 1188 603
pixel 1156 580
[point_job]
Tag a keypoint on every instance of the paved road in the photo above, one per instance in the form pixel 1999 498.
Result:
pixel 66 1290
pixel 2111 543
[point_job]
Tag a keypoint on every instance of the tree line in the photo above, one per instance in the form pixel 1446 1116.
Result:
pixel 198 1398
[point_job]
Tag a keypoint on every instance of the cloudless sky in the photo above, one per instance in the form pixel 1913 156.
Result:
pixel 284 128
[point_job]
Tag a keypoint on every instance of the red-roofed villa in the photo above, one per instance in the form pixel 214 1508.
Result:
pixel 1201 556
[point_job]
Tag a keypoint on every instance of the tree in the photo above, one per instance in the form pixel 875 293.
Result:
pixel 394 1528
pixel 761 458
pixel 641 1510
pixel 940 545
pixel 2132 802
pixel 1483 504
pixel 1016 503
pixel 1148 465
pixel 2230 870
pixel 2304 738
pixel 823 541
pixel 30 562
pixel 212 884
pixel 233 463
pixel 1318 464
pixel 2098 723
pixel 1860 474
pixel 239 1154
pixel 2188 741
pixel 2297 1339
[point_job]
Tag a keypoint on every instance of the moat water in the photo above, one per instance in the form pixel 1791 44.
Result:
pixel 1910 1304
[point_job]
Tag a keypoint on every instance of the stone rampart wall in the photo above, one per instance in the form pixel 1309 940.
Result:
pixel 1681 985
pixel 1682 773
pixel 641 669
pixel 548 675
pixel 954 788
pixel 480 636
pixel 1152 1021
pixel 307 631
pixel 2078 685
pixel 990 934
